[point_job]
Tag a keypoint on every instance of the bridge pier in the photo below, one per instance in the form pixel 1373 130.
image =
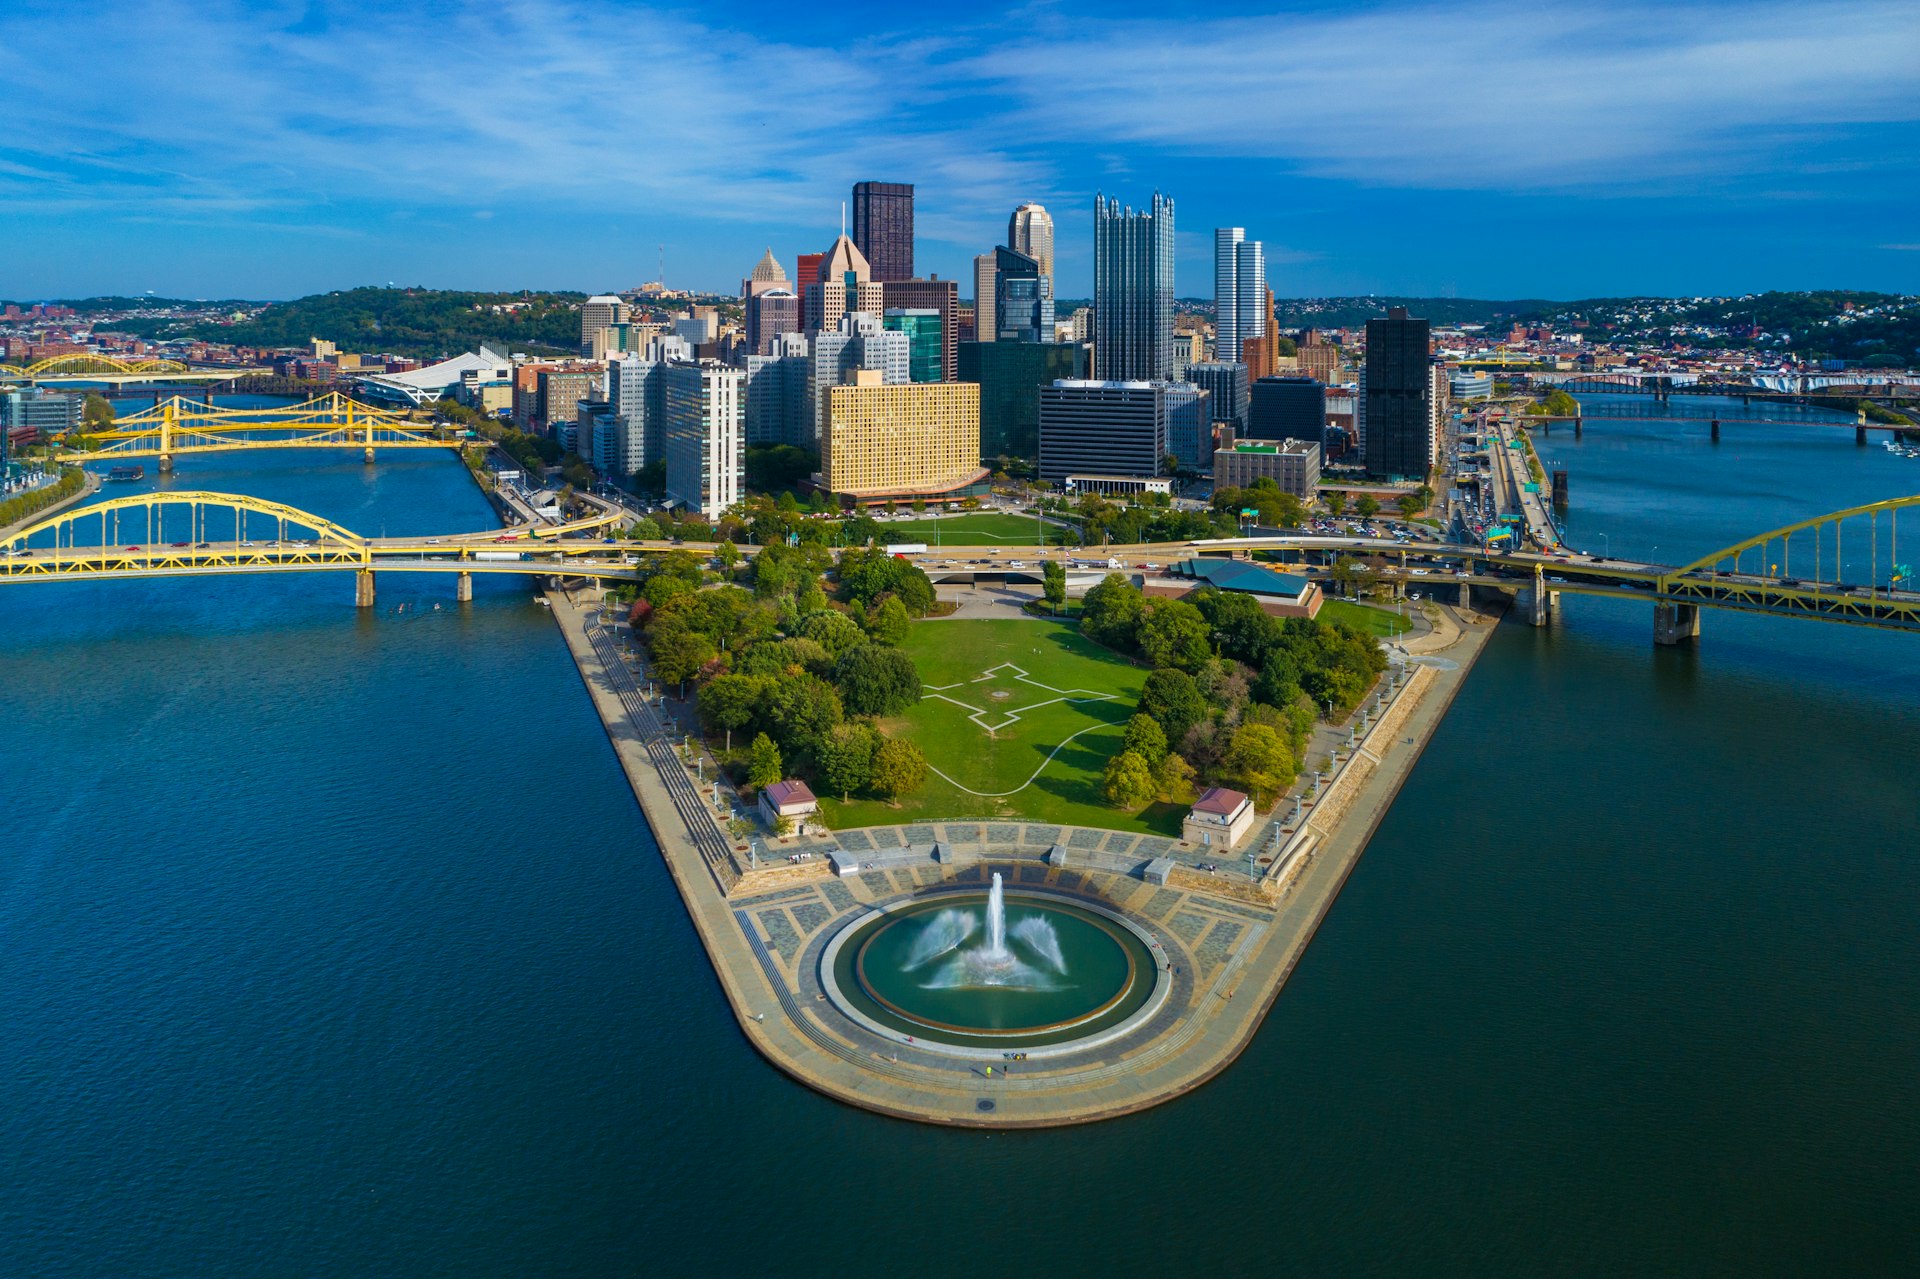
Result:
pixel 363 588
pixel 1536 603
pixel 1676 623
pixel 462 587
pixel 1860 436
pixel 369 455
pixel 1716 430
pixel 165 465
pixel 1579 423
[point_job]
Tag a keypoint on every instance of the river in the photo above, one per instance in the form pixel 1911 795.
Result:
pixel 334 943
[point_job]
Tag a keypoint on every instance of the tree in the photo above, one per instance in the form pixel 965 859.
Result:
pixel 846 759
pixel 888 623
pixel 96 414
pixel 645 529
pixel 729 702
pixel 1054 584
pixel 1336 501
pixel 763 763
pixel 1173 700
pixel 679 652
pixel 1367 507
pixel 1411 505
pixel 898 769
pixel 1129 782
pixel 876 680
pixel 1110 614
pixel 729 557
pixel 1174 780
pixel 1260 761
pixel 1279 681
pixel 811 600
pixel 835 632
pixel 799 712
pixel 1146 739
pixel 1175 634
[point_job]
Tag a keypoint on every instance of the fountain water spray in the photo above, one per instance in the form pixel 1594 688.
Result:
pixel 993 962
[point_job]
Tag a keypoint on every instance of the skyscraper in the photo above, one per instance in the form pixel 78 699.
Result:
pixel 769 314
pixel 883 227
pixel 935 294
pixel 844 283
pixel 597 313
pixel 1132 290
pixel 1397 397
pixel 1022 298
pixel 1030 231
pixel 926 344
pixel 984 317
pixel 705 445
pixel 1239 291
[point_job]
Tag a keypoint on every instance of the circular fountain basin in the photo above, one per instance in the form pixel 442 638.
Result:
pixel 927 971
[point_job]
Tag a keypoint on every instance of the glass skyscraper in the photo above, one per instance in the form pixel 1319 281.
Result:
pixel 1022 299
pixel 883 228
pixel 926 342
pixel 1132 290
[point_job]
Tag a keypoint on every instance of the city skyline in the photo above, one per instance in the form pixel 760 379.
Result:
pixel 1602 151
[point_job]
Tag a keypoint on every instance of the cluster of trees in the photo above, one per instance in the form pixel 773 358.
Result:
pixel 20 506
pixel 1557 404
pixel 428 323
pixel 1234 692
pixel 800 675
pixel 534 453
pixel 1366 506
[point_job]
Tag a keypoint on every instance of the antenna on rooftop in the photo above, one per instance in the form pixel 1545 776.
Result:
pixel 662 276
pixel 843 217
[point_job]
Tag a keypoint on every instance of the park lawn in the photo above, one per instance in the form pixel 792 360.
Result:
pixel 982 528
pixel 1364 617
pixel 1068 742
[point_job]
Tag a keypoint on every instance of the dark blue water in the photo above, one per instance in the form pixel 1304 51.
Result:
pixel 334 943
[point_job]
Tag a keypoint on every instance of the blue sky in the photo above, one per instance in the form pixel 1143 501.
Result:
pixel 1554 148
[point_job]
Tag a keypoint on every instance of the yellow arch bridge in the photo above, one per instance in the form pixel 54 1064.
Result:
pixel 188 534
pixel 178 426
pixel 115 370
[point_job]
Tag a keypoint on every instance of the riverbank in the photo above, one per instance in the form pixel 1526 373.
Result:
pixel 1228 951
pixel 89 486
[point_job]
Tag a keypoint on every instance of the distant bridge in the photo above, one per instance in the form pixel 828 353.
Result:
pixel 177 426
pixel 113 370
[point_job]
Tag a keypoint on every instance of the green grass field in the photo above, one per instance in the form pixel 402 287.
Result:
pixel 982 528
pixel 1027 743
pixel 1365 617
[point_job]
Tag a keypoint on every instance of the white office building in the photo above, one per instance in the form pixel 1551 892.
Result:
pixel 706 435
pixel 1239 291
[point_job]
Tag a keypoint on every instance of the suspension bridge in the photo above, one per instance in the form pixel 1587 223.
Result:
pixel 178 426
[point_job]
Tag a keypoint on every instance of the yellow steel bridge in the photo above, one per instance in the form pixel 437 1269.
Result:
pixel 179 426
pixel 115 370
pixel 188 533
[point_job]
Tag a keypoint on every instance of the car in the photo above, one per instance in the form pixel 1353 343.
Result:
pixel 1420 572
pixel 1143 564
pixel 433 541
pixel 246 543
pixel 134 548
pixel 181 546
pixel 204 546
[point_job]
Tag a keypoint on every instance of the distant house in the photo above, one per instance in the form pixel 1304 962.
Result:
pixel 1220 819
pixel 789 799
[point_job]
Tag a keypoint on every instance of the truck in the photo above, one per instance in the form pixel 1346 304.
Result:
pixel 501 555
pixel 907 548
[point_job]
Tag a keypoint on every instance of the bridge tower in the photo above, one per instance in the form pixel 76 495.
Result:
pixel 1538 600
pixel 463 586
pixel 166 436
pixel 1675 624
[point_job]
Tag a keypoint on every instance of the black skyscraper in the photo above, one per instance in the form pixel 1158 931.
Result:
pixel 1288 408
pixel 883 228
pixel 1398 390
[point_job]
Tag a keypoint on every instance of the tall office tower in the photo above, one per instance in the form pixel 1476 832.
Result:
pixel 1132 290
pixel 769 315
pixel 1397 397
pixel 1225 383
pixel 1010 375
pixel 1320 360
pixel 897 443
pixel 1239 291
pixel 883 227
pixel 636 392
pixel 776 391
pixel 933 294
pixel 1288 408
pixel 844 284
pixel 1030 231
pixel 1022 298
pixel 806 269
pixel 861 342
pixel 706 447
pixel 984 313
pixel 767 274
pixel 926 344
pixel 597 313
pixel 1104 428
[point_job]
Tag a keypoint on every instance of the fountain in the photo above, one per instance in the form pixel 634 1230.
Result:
pixel 967 968
pixel 994 963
